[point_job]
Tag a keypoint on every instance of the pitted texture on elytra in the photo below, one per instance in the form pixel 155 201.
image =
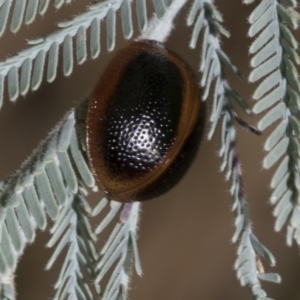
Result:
pixel 143 116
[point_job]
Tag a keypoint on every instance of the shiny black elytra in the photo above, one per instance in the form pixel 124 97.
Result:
pixel 144 122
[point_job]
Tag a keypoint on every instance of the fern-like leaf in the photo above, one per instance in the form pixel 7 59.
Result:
pixel 24 12
pixel 73 229
pixel 212 66
pixel 31 61
pixel 119 250
pixel 25 70
pixel 40 186
pixel 270 22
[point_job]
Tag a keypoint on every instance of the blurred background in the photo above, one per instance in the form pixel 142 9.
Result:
pixel 185 235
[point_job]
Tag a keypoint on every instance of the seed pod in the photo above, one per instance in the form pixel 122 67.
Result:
pixel 144 123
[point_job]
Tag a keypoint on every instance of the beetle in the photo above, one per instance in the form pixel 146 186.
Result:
pixel 144 122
